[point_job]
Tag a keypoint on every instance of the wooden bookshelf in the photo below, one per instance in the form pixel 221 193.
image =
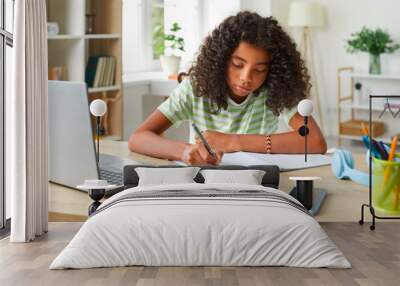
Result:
pixel 72 47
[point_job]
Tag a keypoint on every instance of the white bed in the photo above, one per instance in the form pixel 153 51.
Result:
pixel 184 230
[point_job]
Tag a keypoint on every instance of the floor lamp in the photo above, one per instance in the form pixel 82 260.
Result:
pixel 306 16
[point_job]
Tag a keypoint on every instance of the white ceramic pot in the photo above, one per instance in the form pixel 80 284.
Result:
pixel 170 64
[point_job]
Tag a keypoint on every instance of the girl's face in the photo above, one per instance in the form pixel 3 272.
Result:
pixel 247 70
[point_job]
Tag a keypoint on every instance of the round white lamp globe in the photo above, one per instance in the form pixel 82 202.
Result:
pixel 305 107
pixel 98 107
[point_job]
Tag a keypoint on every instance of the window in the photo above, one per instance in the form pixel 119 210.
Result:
pixel 166 12
pixel 157 25
pixel 6 43
pixel 144 24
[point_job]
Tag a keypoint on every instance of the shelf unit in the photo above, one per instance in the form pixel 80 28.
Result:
pixel 84 37
pixel 104 89
pixel 71 49
pixel 371 76
pixel 357 106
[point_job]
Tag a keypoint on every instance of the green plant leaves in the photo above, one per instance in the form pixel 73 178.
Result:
pixel 173 41
pixel 158 40
pixel 175 27
pixel 374 42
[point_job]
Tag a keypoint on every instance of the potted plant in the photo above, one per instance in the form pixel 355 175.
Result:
pixel 374 42
pixel 168 47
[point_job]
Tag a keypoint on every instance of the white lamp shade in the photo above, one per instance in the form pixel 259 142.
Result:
pixel 305 107
pixel 98 107
pixel 306 14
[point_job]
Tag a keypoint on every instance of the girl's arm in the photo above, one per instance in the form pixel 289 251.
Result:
pixel 288 142
pixel 147 140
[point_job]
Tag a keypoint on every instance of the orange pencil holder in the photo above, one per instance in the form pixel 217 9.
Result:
pixel 386 185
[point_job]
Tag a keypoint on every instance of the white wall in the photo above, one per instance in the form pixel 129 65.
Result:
pixel 216 11
pixel 343 18
pixel 279 10
pixel 346 17
pixel 261 7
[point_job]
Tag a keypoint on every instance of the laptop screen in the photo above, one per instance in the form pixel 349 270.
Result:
pixel 72 155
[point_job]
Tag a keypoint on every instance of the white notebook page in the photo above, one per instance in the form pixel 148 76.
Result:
pixel 285 162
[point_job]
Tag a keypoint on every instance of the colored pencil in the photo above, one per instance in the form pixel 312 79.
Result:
pixel 388 171
pixel 383 150
pixel 364 129
pixel 393 148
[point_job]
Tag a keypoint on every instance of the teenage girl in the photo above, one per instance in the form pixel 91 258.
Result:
pixel 247 75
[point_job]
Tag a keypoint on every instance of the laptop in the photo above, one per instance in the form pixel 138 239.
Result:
pixel 72 153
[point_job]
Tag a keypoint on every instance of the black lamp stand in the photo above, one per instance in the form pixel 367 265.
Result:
pixel 96 195
pixel 303 131
pixel 98 138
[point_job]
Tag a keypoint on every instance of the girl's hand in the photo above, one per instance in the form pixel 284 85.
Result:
pixel 220 141
pixel 197 154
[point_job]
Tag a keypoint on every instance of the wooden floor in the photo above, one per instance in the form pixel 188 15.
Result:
pixel 374 255
pixel 61 217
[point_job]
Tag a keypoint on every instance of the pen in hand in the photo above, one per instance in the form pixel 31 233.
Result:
pixel 204 141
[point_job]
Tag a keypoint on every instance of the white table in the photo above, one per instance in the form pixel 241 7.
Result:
pixel 342 203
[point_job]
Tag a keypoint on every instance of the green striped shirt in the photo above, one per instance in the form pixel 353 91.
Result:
pixel 252 116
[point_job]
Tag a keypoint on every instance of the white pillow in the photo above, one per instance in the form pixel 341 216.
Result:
pixel 164 176
pixel 249 177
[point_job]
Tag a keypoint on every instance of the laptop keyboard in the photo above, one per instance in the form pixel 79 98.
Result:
pixel 111 177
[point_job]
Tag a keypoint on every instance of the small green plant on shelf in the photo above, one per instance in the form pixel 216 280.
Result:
pixel 167 42
pixel 373 42
pixel 174 42
pixel 168 47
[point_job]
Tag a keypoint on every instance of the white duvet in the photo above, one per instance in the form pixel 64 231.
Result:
pixel 200 231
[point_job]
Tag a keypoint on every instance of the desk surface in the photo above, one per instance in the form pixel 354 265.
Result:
pixel 342 203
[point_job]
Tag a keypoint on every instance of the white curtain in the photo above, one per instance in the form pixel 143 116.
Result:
pixel 26 124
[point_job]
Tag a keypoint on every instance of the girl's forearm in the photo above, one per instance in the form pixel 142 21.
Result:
pixel 151 144
pixel 287 143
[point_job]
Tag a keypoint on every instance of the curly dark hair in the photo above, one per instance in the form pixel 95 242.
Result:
pixel 287 81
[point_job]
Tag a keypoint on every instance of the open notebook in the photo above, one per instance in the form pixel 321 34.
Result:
pixel 285 162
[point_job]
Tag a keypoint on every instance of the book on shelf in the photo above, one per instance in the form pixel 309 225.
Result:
pixel 108 71
pixel 98 74
pixel 90 72
pixel 104 72
pixel 100 71
pixel 113 69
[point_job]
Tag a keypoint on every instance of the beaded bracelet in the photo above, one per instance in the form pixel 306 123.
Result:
pixel 269 145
